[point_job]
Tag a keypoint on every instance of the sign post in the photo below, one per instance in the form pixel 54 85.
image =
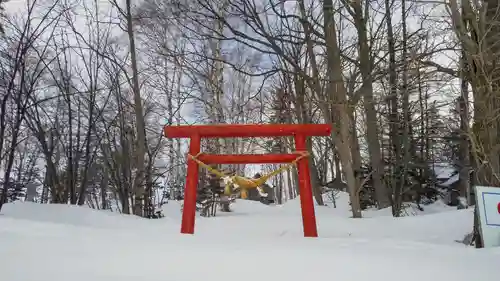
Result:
pixel 488 204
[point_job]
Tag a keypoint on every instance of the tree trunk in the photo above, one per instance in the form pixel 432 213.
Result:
pixel 406 143
pixel 393 115
pixel 339 105
pixel 371 114
pixel 355 152
pixel 139 118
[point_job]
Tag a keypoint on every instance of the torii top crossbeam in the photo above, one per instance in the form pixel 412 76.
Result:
pixel 247 130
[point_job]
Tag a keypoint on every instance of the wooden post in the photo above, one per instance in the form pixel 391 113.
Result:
pixel 306 195
pixel 189 210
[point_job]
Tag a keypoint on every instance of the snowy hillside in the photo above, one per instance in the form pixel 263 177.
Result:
pixel 255 242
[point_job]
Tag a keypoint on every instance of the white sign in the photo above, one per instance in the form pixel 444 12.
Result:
pixel 488 204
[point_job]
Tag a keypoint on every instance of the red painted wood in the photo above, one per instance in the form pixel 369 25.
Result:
pixel 247 158
pixel 247 130
pixel 305 187
pixel 300 132
pixel 189 209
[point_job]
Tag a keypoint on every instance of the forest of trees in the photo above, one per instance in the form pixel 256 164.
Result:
pixel 88 84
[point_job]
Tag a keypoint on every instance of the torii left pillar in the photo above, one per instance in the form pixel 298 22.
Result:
pixel 300 133
pixel 189 210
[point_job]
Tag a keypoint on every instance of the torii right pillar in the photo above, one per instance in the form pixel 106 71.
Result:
pixel 305 188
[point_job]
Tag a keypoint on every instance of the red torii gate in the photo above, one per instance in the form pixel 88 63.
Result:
pixel 299 131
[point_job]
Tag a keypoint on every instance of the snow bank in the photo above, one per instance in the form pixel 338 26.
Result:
pixel 254 242
pixel 70 215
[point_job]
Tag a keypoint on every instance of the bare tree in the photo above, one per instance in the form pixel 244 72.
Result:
pixel 140 151
pixel 26 55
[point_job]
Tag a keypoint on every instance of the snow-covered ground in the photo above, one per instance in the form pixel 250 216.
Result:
pixel 254 242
